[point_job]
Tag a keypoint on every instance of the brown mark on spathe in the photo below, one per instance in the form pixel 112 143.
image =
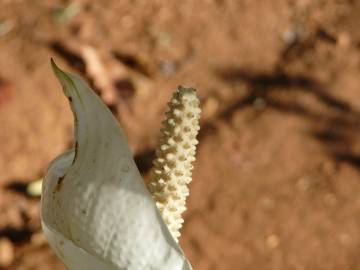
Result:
pixel 59 184
pixel 76 151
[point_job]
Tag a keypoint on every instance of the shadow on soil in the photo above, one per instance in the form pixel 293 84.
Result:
pixel 16 235
pixel 336 126
pixel 18 187
pixel 144 160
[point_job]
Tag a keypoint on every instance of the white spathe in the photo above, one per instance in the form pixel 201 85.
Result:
pixel 96 210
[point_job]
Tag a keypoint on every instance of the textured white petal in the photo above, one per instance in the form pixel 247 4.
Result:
pixel 96 211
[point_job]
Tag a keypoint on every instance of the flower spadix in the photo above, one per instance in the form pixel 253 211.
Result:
pixel 173 164
pixel 95 208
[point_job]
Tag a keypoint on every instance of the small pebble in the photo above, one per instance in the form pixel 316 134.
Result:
pixel 210 107
pixel 34 188
pixel 164 39
pixel 343 40
pixel 273 241
pixel 259 104
pixel 6 27
pixel 290 37
pixel 7 252
pixel 65 14
pixel 168 68
pixel 38 239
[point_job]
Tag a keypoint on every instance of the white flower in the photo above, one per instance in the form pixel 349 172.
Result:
pixel 96 210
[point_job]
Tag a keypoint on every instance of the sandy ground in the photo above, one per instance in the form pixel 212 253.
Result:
pixel 276 182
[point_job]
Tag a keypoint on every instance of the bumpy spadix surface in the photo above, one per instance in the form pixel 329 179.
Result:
pixel 96 211
pixel 173 165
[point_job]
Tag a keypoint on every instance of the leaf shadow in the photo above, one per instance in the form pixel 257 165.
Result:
pixel 16 235
pixel 335 127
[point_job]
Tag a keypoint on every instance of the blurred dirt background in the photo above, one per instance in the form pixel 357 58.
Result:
pixel 276 182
